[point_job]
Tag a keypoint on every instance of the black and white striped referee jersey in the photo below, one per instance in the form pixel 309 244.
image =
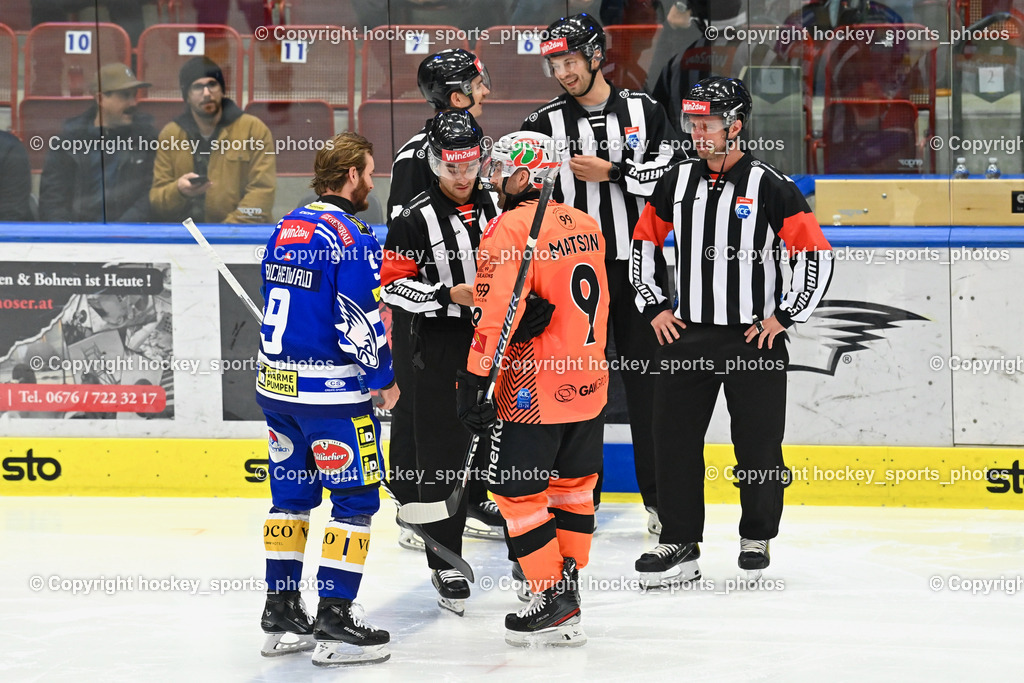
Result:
pixel 633 133
pixel 410 174
pixel 731 237
pixel 431 247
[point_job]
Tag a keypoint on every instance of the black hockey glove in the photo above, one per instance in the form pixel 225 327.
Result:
pixel 536 318
pixel 478 415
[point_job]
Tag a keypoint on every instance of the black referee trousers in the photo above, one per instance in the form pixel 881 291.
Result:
pixel 634 340
pixel 692 370
pixel 441 439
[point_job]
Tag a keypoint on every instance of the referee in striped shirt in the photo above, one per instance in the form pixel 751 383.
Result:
pixel 734 219
pixel 619 142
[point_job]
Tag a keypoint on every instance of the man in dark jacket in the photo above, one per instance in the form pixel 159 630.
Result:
pixel 100 168
pixel 15 180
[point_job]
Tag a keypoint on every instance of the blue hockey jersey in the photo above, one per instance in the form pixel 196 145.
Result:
pixel 322 344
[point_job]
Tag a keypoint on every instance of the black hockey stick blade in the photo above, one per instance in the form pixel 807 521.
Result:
pixel 425 513
pixel 455 560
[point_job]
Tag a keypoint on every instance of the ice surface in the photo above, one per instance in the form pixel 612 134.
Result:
pixel 856 601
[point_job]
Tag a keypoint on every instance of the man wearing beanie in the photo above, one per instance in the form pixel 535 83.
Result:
pixel 214 162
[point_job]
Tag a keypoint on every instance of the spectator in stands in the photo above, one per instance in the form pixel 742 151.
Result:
pixel 104 174
pixel 214 162
pixel 15 180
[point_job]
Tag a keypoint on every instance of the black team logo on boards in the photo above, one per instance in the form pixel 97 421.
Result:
pixel 844 327
pixel 32 468
pixel 257 469
pixel 1005 479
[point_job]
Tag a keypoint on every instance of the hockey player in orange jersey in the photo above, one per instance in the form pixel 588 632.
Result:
pixel 547 430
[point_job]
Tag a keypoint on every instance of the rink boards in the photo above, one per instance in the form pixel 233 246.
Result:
pixel 905 388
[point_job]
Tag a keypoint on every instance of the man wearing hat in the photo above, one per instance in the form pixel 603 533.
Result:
pixel 213 162
pixel 101 166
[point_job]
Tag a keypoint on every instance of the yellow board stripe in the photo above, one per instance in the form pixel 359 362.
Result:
pixel 824 475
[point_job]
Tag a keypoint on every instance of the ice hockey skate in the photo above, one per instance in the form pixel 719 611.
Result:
pixel 452 590
pixel 668 565
pixel 653 522
pixel 754 557
pixel 407 538
pixel 344 638
pixel 520 583
pixel 484 520
pixel 552 617
pixel 288 626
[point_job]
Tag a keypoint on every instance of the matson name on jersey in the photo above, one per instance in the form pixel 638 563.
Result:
pixel 574 244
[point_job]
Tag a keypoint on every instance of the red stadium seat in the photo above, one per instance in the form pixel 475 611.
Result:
pixel 322 70
pixel 9 72
pixel 389 125
pixel 299 129
pixel 626 65
pixel 392 57
pixel 61 58
pixel 513 60
pixel 42 119
pixel 164 48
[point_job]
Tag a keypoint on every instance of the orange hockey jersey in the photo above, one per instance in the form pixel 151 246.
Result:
pixel 561 375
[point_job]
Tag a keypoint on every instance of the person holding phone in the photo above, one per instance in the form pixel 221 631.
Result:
pixel 214 162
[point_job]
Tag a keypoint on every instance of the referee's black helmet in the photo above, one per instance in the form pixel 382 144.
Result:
pixel 725 97
pixel 450 71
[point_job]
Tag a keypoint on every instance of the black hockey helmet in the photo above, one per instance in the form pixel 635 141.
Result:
pixel 450 71
pixel 456 138
pixel 719 96
pixel 579 33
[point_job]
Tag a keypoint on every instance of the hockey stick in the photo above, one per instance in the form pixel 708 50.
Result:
pixel 443 553
pixel 223 268
pixel 425 513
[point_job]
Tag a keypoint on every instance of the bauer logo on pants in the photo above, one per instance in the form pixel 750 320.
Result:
pixel 332 456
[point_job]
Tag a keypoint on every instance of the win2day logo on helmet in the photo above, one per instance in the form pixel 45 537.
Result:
pixel 696 107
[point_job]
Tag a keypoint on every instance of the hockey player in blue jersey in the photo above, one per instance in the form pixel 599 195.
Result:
pixel 322 349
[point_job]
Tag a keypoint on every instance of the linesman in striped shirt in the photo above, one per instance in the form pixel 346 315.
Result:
pixel 619 142
pixel 735 220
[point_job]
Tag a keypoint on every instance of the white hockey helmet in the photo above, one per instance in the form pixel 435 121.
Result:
pixel 535 152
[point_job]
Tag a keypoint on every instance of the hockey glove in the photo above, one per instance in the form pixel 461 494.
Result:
pixel 536 318
pixel 477 414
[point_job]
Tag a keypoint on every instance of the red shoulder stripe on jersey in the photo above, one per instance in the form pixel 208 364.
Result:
pixel 396 267
pixel 801 232
pixel 650 227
